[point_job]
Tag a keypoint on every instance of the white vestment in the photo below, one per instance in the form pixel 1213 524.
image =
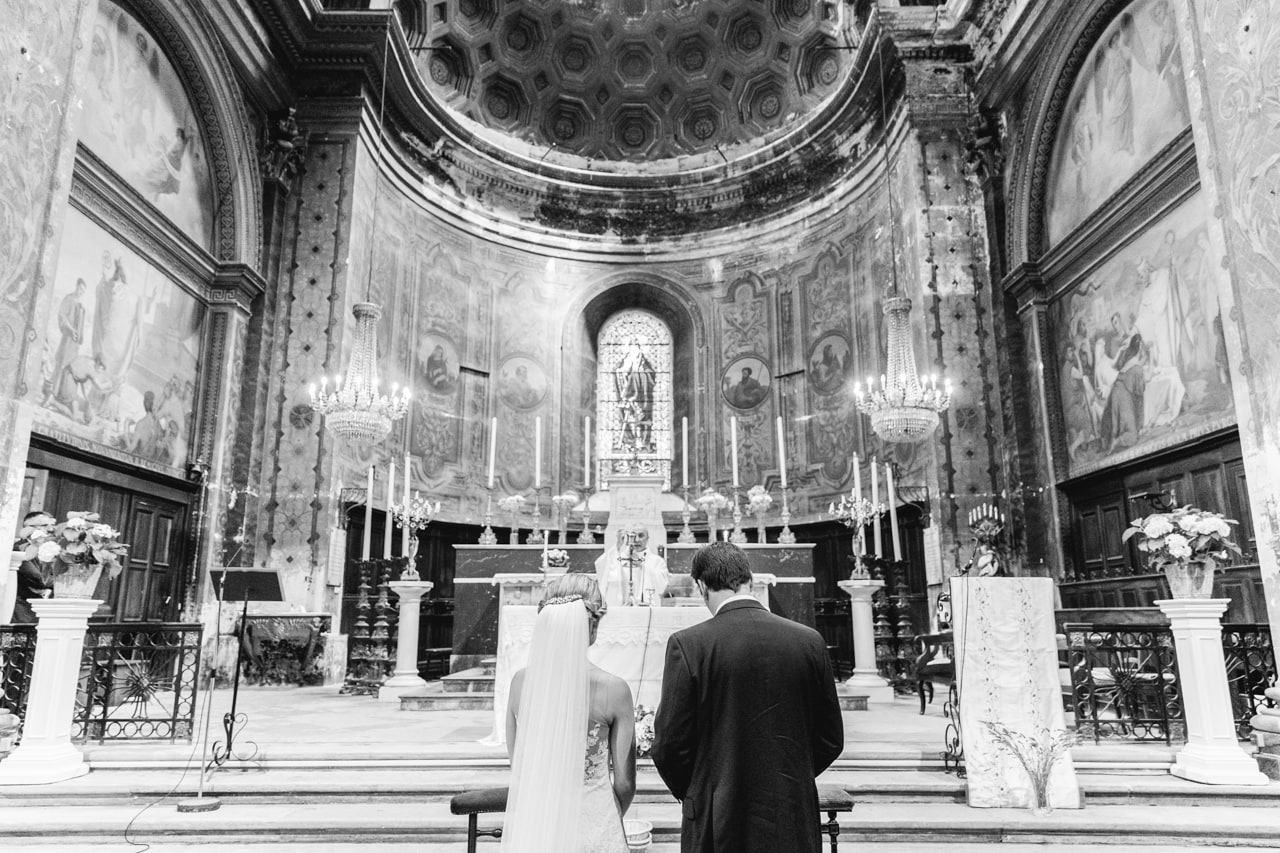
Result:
pixel 650 579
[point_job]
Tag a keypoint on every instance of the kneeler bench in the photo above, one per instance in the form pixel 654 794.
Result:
pixel 832 800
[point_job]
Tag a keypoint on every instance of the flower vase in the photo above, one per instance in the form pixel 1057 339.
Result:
pixel 760 535
pixel 1040 797
pixel 80 580
pixel 514 538
pixel 1190 579
pixel 711 524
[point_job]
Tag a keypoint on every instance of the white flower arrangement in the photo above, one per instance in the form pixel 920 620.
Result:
pixel 555 558
pixel 511 504
pixel 78 541
pixel 711 501
pixel 1182 536
pixel 644 730
pixel 758 500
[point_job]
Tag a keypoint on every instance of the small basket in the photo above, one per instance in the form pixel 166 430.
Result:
pixel 639 835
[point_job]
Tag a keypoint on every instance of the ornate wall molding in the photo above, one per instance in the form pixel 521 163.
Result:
pixel 1045 104
pixel 190 41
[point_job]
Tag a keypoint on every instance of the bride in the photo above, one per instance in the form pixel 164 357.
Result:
pixel 568 724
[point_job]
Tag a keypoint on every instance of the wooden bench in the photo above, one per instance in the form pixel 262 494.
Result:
pixel 832 800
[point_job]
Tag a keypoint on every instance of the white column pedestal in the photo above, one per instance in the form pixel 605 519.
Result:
pixel 866 679
pixel 406 679
pixel 46 753
pixel 1212 754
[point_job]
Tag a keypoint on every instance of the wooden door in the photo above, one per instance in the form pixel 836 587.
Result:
pixel 147 589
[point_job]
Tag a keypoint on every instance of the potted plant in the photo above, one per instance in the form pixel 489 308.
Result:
pixel 1187 544
pixel 72 554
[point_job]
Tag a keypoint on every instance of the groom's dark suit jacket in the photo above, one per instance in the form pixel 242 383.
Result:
pixel 748 718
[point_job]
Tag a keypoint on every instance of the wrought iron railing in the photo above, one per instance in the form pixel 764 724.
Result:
pixel 1251 669
pixel 1124 683
pixel 17 653
pixel 138 681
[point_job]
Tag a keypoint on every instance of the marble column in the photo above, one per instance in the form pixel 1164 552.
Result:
pixel 46 753
pixel 1228 57
pixel 1212 754
pixel 406 679
pixel 866 679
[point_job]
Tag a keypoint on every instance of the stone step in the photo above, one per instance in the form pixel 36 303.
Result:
pixel 448 701
pixel 475 680
pixel 430 823
pixel 416 785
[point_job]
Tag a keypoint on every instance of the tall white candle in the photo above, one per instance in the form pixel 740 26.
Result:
pixel 893 512
pixel 733 446
pixel 368 518
pixel 493 446
pixel 586 453
pixel 684 451
pixel 404 531
pixel 391 498
pixel 875 503
pixel 537 452
pixel 857 478
pixel 782 453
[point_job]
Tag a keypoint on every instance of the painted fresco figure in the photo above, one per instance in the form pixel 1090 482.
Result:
pixel 116 320
pixel 71 327
pixel 1122 370
pixel 635 381
pixel 747 392
pixel 1115 85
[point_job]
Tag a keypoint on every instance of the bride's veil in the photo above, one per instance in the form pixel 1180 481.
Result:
pixel 544 805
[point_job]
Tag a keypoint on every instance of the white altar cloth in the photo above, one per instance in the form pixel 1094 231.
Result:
pixel 631 644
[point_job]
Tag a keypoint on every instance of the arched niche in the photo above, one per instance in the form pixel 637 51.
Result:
pixel 585 317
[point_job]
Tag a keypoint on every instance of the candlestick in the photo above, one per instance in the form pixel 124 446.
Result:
pixel 733 447
pixel 493 447
pixel 738 537
pixel 368 518
pixel 686 533
pixel 537 452
pixel 391 499
pixel 586 453
pixel 487 536
pixel 782 454
pixel 893 512
pixel 875 504
pixel 684 457
pixel 404 531
pixel 857 477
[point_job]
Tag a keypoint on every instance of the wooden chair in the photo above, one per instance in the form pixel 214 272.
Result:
pixel 475 803
pixel 935 663
pixel 832 799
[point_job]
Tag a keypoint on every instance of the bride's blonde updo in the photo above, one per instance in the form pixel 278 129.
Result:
pixel 574 587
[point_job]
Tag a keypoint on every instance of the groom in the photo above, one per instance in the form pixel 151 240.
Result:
pixel 748 718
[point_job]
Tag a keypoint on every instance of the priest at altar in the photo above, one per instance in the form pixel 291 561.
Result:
pixel 630 573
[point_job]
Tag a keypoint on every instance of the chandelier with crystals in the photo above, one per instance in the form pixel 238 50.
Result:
pixel 904 407
pixel 357 409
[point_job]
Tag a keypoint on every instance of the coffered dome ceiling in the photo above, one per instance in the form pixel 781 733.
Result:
pixel 632 80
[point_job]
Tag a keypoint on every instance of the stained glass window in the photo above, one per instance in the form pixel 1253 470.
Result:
pixel 633 394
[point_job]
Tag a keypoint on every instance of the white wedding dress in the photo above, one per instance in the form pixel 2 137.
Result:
pixel 561 798
pixel 600 824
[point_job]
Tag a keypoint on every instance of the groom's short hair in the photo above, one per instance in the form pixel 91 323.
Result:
pixel 720 566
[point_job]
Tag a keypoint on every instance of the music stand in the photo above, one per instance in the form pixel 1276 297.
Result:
pixel 245 585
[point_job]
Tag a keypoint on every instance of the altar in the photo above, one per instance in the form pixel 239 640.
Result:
pixel 631 643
